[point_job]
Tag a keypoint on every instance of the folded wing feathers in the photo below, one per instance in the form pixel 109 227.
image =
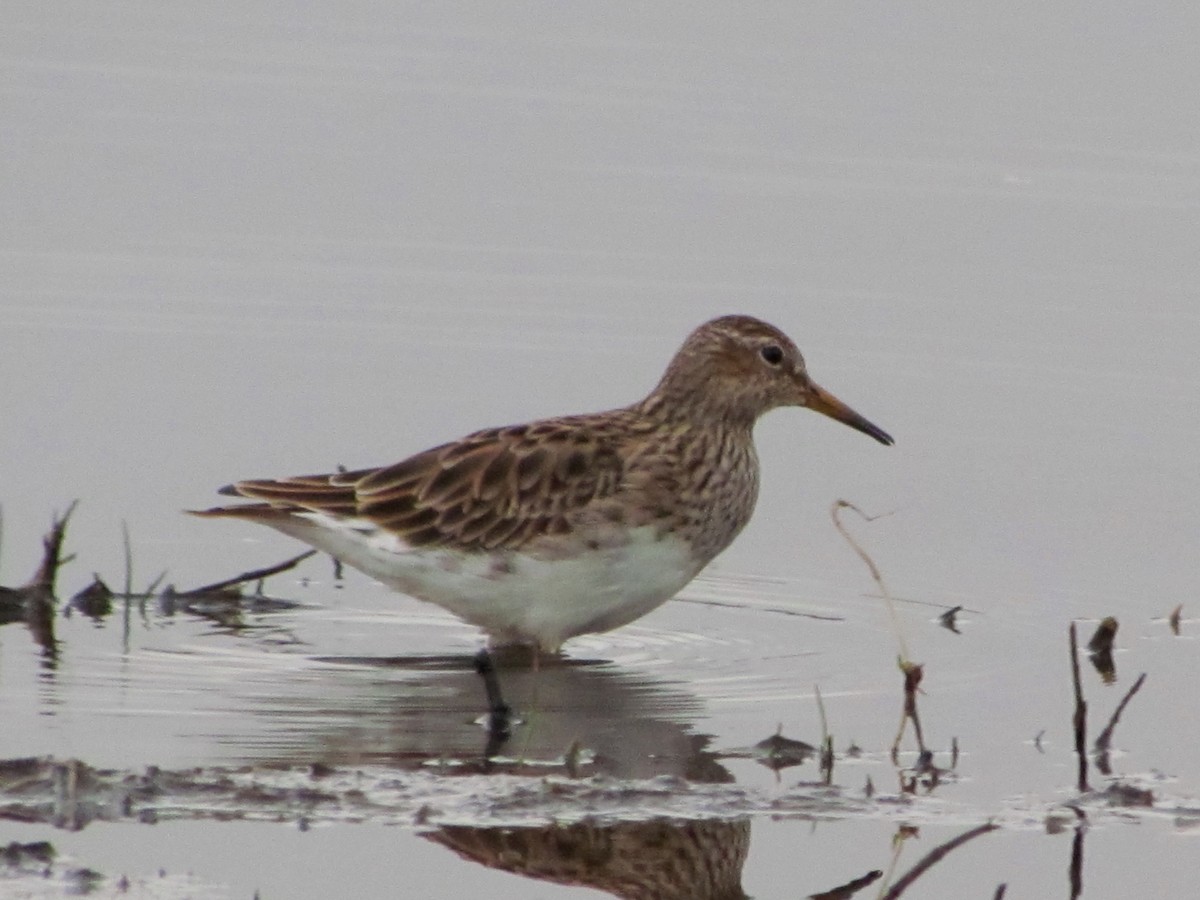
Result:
pixel 494 489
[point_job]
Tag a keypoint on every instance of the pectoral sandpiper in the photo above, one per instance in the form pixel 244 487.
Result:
pixel 540 532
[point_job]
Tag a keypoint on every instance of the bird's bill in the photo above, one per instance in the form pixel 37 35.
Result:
pixel 825 403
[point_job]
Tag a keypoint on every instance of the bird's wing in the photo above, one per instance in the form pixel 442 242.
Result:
pixel 495 489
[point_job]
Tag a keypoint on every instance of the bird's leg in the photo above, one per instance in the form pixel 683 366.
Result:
pixel 499 712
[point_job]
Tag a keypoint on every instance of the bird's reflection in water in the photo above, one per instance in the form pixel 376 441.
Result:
pixel 659 859
pixel 418 711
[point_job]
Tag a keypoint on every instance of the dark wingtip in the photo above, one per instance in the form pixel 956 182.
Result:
pixel 255 512
pixel 229 490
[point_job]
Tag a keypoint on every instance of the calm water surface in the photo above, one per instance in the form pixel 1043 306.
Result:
pixel 268 240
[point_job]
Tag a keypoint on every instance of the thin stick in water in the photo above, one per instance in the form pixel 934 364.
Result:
pixel 912 681
pixel 1105 739
pixel 1079 718
pixel 249 576
pixel 835 512
pixel 821 712
pixel 52 558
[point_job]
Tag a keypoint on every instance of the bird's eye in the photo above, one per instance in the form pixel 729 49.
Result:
pixel 772 354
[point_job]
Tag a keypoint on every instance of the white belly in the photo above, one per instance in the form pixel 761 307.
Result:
pixel 517 596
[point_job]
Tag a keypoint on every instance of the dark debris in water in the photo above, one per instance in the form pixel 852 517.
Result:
pixel 223 602
pixel 1100 650
pixel 1102 638
pixel 1175 619
pixel 39 853
pixel 1122 794
pixel 95 601
pixel 778 752
pixel 949 619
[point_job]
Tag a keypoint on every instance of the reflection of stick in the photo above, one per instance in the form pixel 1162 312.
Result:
pixel 1105 738
pixel 128 559
pixel 1079 719
pixel 844 891
pixel 835 510
pixel 932 858
pixel 912 671
pixel 248 576
pixel 1075 872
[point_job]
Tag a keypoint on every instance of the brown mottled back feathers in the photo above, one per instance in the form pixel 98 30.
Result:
pixel 494 489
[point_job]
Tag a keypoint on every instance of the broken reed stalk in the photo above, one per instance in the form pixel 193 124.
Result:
pixel 52 553
pixel 826 739
pixel 821 712
pixel 933 857
pixel 912 681
pixel 254 575
pixel 52 558
pixel 827 760
pixel 1079 718
pixel 912 671
pixel 153 586
pixel 835 512
pixel 1105 738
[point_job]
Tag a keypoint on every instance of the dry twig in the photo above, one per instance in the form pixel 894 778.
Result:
pixel 835 512
pixel 52 558
pixel 1079 718
pixel 254 575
